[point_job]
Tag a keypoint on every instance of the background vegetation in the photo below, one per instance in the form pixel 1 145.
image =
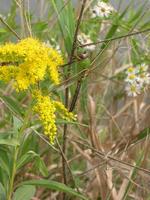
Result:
pixel 105 153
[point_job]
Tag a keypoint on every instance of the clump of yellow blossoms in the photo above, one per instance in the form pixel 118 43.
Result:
pixel 46 108
pixel 28 62
pixel 63 112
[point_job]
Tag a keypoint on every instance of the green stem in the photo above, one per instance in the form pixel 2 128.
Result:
pixel 10 190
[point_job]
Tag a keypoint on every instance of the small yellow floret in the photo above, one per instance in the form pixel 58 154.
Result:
pixel 8 73
pixel 132 76
pixel 131 69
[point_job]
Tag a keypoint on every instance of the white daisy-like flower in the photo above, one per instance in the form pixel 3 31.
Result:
pixel 95 12
pixel 133 89
pixel 131 78
pixel 131 70
pixel 137 79
pixel 145 78
pixel 102 10
pixel 105 6
pixel 142 68
pixel 85 39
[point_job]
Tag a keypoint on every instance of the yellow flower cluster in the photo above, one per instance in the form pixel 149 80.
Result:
pixel 63 112
pixel 46 109
pixel 28 62
pixel 8 73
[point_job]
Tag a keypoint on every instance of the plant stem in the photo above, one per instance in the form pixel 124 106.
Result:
pixel 10 191
pixel 116 38
pixel 64 167
pixel 67 89
pixel 10 29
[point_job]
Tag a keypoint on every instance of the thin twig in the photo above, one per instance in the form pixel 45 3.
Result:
pixel 63 155
pixel 101 164
pixel 44 139
pixel 67 89
pixel 110 157
pixel 116 38
pixel 107 40
pixel 76 93
pixel 11 30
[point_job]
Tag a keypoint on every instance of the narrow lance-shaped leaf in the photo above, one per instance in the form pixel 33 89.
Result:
pixel 53 185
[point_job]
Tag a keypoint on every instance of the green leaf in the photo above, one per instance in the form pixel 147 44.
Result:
pixel 2 30
pixel 144 26
pixel 12 104
pixel 39 163
pixel 66 21
pixel 41 166
pixel 17 123
pixel 11 142
pixel 4 165
pixel 2 192
pixel 40 26
pixel 132 176
pixel 26 158
pixel 25 192
pixel 113 29
pixel 5 158
pixel 137 14
pixel 53 185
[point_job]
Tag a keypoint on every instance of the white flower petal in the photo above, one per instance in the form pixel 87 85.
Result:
pixel 85 39
pixel 102 9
